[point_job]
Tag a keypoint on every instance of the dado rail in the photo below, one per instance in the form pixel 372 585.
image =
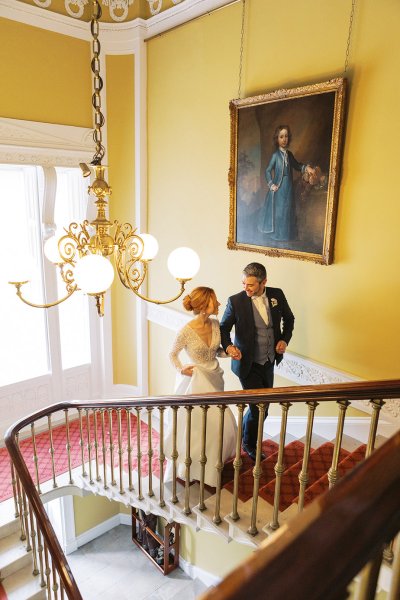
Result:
pixel 117 448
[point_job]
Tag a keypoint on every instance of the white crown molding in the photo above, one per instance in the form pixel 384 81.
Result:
pixel 30 142
pixel 181 13
pixel 116 38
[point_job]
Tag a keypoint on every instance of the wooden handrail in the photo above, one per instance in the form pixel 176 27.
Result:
pixel 363 390
pixel 336 535
pixel 373 390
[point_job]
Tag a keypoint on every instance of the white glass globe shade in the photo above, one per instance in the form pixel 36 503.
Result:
pixel 150 246
pixel 93 274
pixel 183 263
pixel 51 249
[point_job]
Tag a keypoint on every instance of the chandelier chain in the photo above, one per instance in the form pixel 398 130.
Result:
pixel 241 47
pixel 97 84
pixel 346 62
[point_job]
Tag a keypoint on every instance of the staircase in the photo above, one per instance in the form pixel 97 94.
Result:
pixel 16 576
pixel 113 450
pixel 351 453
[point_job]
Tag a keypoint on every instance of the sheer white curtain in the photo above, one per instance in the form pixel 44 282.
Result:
pixel 71 206
pixel 23 330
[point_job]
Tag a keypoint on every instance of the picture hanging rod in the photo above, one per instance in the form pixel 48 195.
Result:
pixel 206 14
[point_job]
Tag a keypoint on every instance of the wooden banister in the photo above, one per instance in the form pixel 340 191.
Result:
pixel 318 553
pixel 373 390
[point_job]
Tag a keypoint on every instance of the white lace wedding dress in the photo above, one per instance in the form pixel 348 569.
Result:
pixel 207 377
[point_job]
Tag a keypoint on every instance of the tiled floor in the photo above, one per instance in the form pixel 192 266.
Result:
pixel 112 567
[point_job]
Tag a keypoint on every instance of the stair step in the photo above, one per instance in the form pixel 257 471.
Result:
pixel 293 452
pixel 22 585
pixel 13 554
pixel 268 447
pixel 319 463
pixel 322 485
pixel 238 530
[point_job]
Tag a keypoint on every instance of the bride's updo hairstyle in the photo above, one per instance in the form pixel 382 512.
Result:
pixel 198 299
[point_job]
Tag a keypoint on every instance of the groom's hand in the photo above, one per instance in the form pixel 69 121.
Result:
pixel 234 352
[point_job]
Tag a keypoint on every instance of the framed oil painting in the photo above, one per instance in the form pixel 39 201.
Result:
pixel 284 171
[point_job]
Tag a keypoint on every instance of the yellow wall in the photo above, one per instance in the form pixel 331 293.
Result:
pixel 121 132
pixel 347 314
pixel 195 548
pixel 92 510
pixel 45 76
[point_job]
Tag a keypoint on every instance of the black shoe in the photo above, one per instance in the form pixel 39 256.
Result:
pixel 252 452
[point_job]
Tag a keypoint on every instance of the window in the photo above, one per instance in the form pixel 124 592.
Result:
pixel 26 332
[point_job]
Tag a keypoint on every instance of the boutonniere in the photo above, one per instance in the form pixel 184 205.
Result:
pixel 274 302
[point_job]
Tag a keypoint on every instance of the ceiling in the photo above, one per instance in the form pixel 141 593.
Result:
pixel 112 10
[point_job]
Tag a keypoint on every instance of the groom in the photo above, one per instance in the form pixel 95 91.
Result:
pixel 263 325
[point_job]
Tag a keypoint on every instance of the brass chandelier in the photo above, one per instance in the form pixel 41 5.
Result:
pixel 82 252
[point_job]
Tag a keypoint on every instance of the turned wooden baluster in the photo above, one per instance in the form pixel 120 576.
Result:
pixel 332 473
pixel 174 454
pixel 26 522
pixel 150 450
pixel 203 456
pixel 237 463
pixel 161 457
pixel 33 538
pixel 129 448
pixel 280 467
pixel 139 453
pixel 41 552
pixel 89 445
pixel 111 434
pixel 376 409
pixel 257 470
pixel 104 447
pixel 47 570
pixel 303 475
pixel 220 465
pixel 188 460
pixel 120 452
pixel 81 443
pixel 35 457
pixel 53 468
pixel 14 488
pixel 68 445
pixel 96 443
pixel 55 585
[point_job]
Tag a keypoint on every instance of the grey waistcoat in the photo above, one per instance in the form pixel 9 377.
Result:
pixel 264 343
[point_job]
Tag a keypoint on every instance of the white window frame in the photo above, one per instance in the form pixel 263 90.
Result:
pixel 50 146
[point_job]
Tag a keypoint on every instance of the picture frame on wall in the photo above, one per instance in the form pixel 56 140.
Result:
pixel 285 158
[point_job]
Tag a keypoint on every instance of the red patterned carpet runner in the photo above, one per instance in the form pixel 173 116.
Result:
pixel 3 595
pixel 60 454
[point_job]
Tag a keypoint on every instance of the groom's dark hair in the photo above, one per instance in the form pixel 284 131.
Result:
pixel 255 270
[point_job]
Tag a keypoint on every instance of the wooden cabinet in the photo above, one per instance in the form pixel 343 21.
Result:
pixel 157 538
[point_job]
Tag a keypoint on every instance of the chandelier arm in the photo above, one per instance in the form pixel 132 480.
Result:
pixel 182 282
pixel 18 286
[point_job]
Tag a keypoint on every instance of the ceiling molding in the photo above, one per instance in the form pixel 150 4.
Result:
pixel 117 38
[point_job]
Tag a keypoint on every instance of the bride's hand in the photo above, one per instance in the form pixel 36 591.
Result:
pixel 187 370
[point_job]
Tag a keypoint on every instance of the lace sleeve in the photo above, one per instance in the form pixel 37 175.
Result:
pixel 177 347
pixel 221 353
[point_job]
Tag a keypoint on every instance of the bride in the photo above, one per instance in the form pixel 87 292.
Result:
pixel 200 338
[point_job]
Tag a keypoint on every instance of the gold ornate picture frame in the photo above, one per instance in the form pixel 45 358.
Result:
pixel 285 156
